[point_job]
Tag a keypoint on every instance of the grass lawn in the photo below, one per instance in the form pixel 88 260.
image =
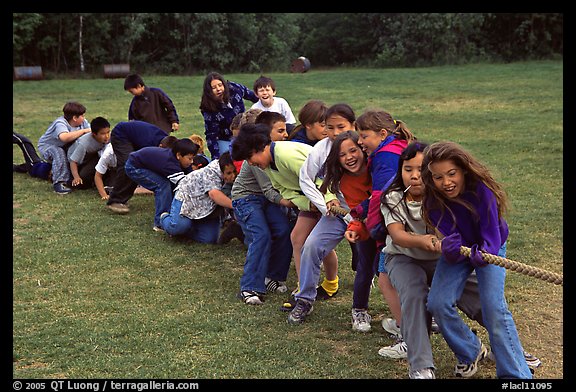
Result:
pixel 99 295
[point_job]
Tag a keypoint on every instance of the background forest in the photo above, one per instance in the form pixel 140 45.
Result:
pixel 77 44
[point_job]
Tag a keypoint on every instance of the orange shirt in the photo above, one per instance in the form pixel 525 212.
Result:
pixel 356 189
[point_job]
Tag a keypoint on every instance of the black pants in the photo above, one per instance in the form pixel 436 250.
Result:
pixel 28 150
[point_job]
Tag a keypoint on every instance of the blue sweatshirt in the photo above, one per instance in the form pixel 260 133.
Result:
pixel 160 160
pixel 138 133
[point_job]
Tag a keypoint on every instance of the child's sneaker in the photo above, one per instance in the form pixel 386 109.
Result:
pixel 275 286
pixel 250 297
pixel 398 350
pixel 391 327
pixel 434 326
pixel 361 320
pixel 532 361
pixel 302 309
pixel 467 370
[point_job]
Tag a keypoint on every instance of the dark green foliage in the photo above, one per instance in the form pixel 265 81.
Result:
pixel 193 43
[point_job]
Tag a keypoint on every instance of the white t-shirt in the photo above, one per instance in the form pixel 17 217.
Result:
pixel 279 105
pixel 107 160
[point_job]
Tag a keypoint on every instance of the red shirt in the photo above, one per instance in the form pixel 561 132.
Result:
pixel 356 188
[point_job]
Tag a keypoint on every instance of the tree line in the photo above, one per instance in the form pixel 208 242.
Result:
pixel 192 43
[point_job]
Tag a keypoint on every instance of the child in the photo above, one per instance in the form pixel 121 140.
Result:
pixel 265 90
pixel 277 123
pixel 466 205
pixel 221 101
pixel 410 257
pixel 151 104
pixel 200 142
pixel 348 178
pixel 230 228
pixel 280 160
pixel 199 161
pixel 168 141
pixel 126 137
pixel 194 211
pixel 105 171
pixel 312 127
pixel 83 153
pixel 159 170
pixel 53 144
pixel 339 118
pixel 33 164
pixel 383 138
pixel 257 208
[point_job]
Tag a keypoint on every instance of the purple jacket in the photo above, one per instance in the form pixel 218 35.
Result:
pixel 483 228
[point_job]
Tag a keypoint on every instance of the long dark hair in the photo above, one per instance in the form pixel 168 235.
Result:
pixel 475 171
pixel 398 183
pixel 209 103
pixel 334 170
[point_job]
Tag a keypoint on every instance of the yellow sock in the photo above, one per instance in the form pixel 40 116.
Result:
pixel 331 286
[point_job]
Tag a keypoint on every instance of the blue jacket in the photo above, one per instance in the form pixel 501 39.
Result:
pixel 138 133
pixel 161 161
pixel 217 124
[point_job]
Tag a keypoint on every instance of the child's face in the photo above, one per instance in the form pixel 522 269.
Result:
pixel 316 131
pixel 102 136
pixel 351 157
pixel 235 131
pixel 278 132
pixel 261 159
pixel 138 90
pixel 448 178
pixel 185 160
pixel 370 140
pixel 76 121
pixel 336 124
pixel 411 175
pixel 266 95
pixel 217 88
pixel 229 174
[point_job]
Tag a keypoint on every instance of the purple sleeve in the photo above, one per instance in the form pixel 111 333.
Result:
pixel 493 231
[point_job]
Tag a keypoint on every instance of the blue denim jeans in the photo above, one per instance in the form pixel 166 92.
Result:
pixel 205 230
pixel 325 236
pixel 368 256
pixel 447 287
pixel 267 234
pixel 157 183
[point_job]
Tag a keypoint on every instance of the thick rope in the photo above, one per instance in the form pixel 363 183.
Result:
pixel 339 210
pixel 525 269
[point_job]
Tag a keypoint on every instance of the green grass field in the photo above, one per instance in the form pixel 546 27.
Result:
pixel 99 295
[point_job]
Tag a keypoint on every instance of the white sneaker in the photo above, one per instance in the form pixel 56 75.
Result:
pixel 361 320
pixel 275 286
pixel 398 350
pixel 391 327
pixel 250 297
pixel 422 374
pixel 467 370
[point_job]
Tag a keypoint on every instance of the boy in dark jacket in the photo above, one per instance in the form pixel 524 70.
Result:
pixel 151 104
pixel 160 170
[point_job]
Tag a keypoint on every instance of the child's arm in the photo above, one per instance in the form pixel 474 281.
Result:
pixel 220 198
pixel 405 239
pixel 76 179
pixel 99 182
pixel 68 137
